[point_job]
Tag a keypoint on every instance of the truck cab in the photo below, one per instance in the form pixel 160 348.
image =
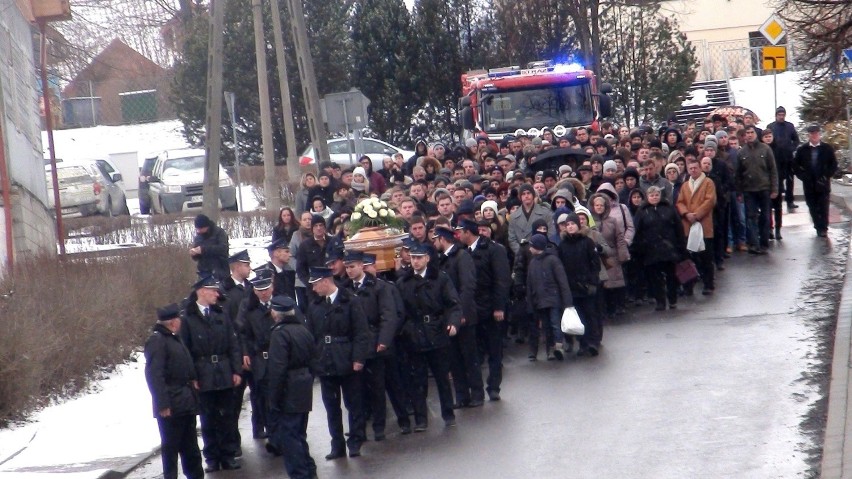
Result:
pixel 176 183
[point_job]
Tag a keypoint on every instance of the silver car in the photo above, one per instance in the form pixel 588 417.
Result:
pixel 113 201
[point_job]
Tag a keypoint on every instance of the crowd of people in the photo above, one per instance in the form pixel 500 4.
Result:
pixel 497 249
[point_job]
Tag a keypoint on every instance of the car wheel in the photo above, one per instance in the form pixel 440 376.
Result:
pixel 126 209
pixel 108 211
pixel 163 208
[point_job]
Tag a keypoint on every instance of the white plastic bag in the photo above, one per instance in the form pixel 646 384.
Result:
pixel 695 242
pixel 571 323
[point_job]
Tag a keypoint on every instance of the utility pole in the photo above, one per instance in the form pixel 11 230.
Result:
pixel 213 143
pixel 286 105
pixel 308 78
pixel 270 182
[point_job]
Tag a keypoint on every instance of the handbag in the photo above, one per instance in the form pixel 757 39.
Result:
pixel 686 271
pixel 571 323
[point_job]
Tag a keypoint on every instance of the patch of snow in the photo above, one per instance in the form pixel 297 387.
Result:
pixel 757 93
pixel 87 434
pixel 698 97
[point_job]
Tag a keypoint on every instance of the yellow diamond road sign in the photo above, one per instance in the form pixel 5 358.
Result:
pixel 773 30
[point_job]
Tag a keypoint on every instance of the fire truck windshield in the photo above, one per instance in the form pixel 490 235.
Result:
pixel 509 110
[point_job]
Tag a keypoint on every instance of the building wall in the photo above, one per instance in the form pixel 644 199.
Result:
pixel 33 228
pixel 719 30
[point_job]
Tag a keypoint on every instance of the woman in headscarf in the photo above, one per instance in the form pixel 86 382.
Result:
pixel 614 234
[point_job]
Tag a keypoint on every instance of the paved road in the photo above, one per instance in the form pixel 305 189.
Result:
pixel 725 386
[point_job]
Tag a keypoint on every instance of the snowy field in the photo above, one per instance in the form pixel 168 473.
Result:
pixel 758 95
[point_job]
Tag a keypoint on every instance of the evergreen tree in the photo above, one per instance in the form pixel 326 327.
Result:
pixel 648 60
pixel 826 103
pixel 386 66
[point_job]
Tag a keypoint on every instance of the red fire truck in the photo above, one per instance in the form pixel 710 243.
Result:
pixel 519 101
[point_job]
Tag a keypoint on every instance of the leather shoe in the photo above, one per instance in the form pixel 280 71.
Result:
pixel 461 405
pixel 450 422
pixel 419 428
pixel 476 403
pixel 355 451
pixel 379 436
pixel 494 395
pixel 405 430
pixel 270 448
pixel 335 455
pixel 230 464
pixel 212 467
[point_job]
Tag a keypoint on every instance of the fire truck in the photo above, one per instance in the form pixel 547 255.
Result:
pixel 516 101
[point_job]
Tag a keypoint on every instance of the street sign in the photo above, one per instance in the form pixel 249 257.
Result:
pixel 346 111
pixel 773 30
pixel 848 54
pixel 842 76
pixel 774 58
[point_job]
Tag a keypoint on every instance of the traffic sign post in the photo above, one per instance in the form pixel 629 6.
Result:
pixel 774 58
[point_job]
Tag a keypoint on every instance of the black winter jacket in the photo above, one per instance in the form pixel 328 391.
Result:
pixel 234 296
pixel 169 372
pixel 431 304
pixel 340 332
pixel 214 252
pixel 581 262
pixel 380 307
pixel 458 265
pixel 310 253
pixel 826 166
pixel 284 282
pixel 290 381
pixel 256 323
pixel 493 277
pixel 213 344
pixel 659 233
pixel 547 284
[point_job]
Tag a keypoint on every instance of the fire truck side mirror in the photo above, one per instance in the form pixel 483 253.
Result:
pixel 464 102
pixel 466 116
pixel 605 103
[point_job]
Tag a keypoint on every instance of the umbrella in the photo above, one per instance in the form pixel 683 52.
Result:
pixel 553 158
pixel 732 110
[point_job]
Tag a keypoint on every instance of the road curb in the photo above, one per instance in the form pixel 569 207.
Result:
pixel 838 421
pixel 129 465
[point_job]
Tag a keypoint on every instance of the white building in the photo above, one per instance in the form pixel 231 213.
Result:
pixel 32 226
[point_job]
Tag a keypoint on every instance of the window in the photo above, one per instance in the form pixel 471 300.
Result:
pixel 374 147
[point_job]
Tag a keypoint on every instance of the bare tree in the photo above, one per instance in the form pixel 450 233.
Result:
pixel 822 28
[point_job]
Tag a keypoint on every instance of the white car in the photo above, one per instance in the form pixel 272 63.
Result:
pixel 339 153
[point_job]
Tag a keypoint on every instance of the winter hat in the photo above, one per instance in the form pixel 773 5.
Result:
pixel 721 134
pixel 538 241
pixel 470 143
pixel 631 172
pixel 569 218
pixel 582 210
pixel 359 170
pixel 539 223
pixel 202 221
pixel 489 204
pixel 536 141
pixel 710 144
pixel 672 166
pixel 526 187
pixel 610 165
pixel 565 168
pixel 608 190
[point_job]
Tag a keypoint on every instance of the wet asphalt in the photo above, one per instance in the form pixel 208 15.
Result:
pixel 731 385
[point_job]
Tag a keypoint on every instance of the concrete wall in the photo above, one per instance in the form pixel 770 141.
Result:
pixel 32 226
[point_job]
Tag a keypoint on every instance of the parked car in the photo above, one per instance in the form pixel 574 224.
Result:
pixel 177 183
pixel 78 190
pixel 145 173
pixel 112 200
pixel 339 152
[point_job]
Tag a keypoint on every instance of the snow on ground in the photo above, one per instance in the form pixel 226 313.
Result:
pixel 101 141
pixel 758 94
pixel 83 437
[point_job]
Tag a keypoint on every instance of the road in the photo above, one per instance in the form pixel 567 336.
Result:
pixel 731 385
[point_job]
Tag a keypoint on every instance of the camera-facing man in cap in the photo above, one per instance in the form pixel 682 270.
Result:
pixel 815 163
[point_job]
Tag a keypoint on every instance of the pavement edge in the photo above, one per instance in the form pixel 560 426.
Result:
pixel 129 465
pixel 838 421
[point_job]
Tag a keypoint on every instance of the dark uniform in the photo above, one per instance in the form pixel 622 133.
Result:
pixel 284 280
pixel 815 165
pixel 492 294
pixel 342 337
pixel 214 346
pixel 234 294
pixel 290 382
pixel 214 249
pixel 431 305
pixel 464 358
pixel 169 372
pixel 383 321
pixel 255 322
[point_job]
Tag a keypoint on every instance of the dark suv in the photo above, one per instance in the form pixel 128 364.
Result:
pixel 144 178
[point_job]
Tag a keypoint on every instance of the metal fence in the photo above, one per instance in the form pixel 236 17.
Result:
pixel 735 59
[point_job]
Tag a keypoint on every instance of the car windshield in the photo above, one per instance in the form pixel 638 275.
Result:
pixel 70 174
pixel 509 110
pixel 185 164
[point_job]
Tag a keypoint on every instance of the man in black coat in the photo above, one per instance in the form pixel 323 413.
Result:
pixel 432 316
pixel 455 260
pixel 209 334
pixel 815 163
pixel 237 288
pixel 171 379
pixel 254 320
pixel 284 280
pixel 786 140
pixel 311 253
pixel 290 381
pixel 340 329
pixel 210 248
pixel 383 321
pixel 492 295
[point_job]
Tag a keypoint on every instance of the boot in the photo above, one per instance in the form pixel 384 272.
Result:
pixel 778 234
pixel 557 352
pixel 533 355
